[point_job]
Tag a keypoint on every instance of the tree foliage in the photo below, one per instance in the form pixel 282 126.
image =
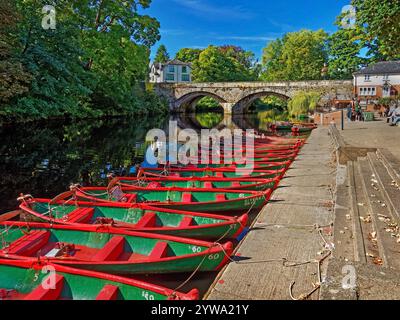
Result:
pixel 94 63
pixel 188 55
pixel 303 102
pixel 221 64
pixel 162 55
pixel 344 52
pixel 381 21
pixel 297 56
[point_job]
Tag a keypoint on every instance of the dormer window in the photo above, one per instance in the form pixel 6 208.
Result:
pixel 367 77
pixel 386 77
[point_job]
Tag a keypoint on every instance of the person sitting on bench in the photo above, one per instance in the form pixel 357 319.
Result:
pixel 395 117
pixel 390 114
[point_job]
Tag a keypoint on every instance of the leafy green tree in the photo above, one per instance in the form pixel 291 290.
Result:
pixel 116 41
pixel 162 55
pixel 344 53
pixel 188 55
pixel 297 56
pixel 216 65
pixel 14 80
pixel 381 20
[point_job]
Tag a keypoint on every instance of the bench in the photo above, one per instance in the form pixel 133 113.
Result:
pixel 159 251
pixel 187 197
pixel 109 292
pixel 80 215
pixel 29 244
pixel 147 221
pixel 186 222
pixel 208 185
pixel 236 184
pixel 112 250
pixel 42 293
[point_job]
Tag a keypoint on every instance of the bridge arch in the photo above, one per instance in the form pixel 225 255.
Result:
pixel 243 104
pixel 188 102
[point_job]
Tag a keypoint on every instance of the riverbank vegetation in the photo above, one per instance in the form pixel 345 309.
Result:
pixel 85 59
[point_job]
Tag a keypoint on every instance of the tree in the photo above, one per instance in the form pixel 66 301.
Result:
pixel 162 55
pixel 94 63
pixel 344 48
pixel 216 64
pixel 188 55
pixel 297 56
pixel 381 21
pixel 14 79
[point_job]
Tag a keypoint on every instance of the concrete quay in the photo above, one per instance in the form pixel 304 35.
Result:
pixel 282 249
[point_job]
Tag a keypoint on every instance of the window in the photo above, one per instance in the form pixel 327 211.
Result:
pixel 170 77
pixel 171 69
pixel 367 77
pixel 184 70
pixel 185 77
pixel 385 77
pixel 367 91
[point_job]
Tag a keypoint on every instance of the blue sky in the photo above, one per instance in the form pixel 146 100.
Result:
pixel 249 24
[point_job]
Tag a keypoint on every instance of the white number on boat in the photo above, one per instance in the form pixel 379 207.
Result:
pixel 196 249
pixel 147 295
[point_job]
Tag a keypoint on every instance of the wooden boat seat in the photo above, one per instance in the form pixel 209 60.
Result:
pixel 53 293
pixel 159 251
pixel 112 250
pixel 235 184
pixel 208 185
pixel 174 174
pixel 187 197
pixel 131 198
pixel 109 292
pixel 220 197
pixel 186 222
pixel 80 215
pixel 219 174
pixel 30 243
pixel 147 221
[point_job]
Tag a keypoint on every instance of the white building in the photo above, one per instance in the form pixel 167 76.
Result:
pixel 173 71
pixel 380 80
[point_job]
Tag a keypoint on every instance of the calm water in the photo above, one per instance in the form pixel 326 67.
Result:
pixel 44 159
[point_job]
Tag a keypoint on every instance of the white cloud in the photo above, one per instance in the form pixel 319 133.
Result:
pixel 201 7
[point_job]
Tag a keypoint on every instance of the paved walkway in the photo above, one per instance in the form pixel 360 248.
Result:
pixel 284 229
pixel 377 134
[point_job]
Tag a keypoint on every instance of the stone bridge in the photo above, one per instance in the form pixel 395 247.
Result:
pixel 237 97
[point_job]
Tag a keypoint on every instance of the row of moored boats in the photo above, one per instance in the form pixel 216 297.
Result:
pixel 165 220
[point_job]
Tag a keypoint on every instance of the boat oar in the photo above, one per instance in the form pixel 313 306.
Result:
pixel 10 215
pixel 62 196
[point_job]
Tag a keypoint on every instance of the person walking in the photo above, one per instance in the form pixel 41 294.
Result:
pixel 349 112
